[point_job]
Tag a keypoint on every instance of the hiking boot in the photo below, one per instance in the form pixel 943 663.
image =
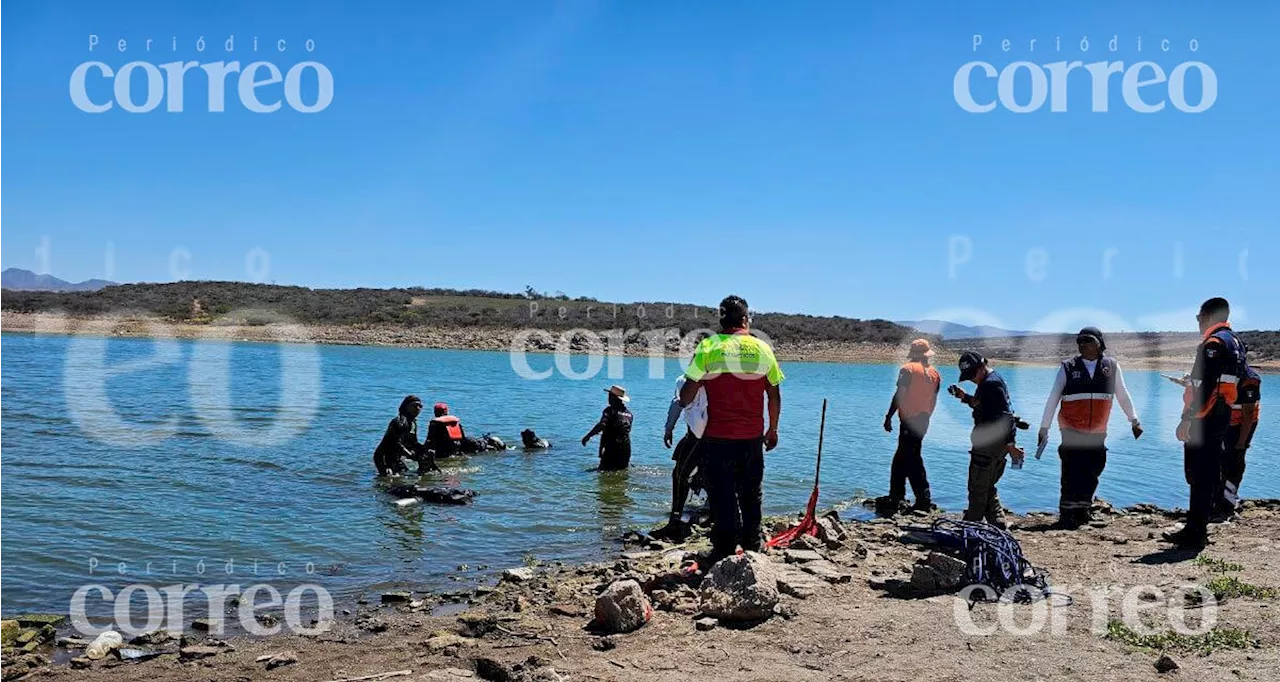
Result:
pixel 924 507
pixel 675 531
pixel 1186 537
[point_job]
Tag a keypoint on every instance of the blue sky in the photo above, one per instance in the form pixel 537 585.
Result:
pixel 810 156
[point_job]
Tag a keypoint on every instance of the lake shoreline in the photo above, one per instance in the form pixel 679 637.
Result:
pixel 853 599
pixel 496 339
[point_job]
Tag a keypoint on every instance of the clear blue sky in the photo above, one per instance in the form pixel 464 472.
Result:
pixel 810 156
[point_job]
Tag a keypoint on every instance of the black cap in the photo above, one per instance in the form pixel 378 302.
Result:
pixel 1095 334
pixel 969 364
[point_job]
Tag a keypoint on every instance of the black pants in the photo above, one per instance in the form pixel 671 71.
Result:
pixel 734 471
pixel 908 464
pixel 615 456
pixel 687 456
pixel 1232 469
pixel 1084 456
pixel 1202 464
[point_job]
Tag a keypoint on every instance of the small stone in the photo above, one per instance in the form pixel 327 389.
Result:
pixel 493 670
pixel 567 611
pixel 801 556
pixel 604 644
pixel 281 659
pixel 704 624
pixel 203 624
pixel 81 662
pixel 372 624
pixel 396 597
pixel 637 556
pixel 1166 664
pixel 441 642
pixel 449 675
pixel 191 653
pixel 75 642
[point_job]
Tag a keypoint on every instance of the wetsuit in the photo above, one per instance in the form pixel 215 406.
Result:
pixel 615 438
pixel 399 441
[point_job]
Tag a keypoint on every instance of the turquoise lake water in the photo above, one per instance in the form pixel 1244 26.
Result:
pixel 191 455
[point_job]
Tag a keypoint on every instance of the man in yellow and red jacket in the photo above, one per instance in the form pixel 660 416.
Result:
pixel 1086 386
pixel 914 401
pixel 1220 365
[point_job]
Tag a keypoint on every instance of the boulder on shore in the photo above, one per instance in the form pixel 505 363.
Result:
pixel 741 588
pixel 623 607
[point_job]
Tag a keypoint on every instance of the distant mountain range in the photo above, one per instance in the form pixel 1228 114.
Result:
pixel 17 279
pixel 950 331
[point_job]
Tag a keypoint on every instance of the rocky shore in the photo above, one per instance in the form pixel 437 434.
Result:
pixel 456 338
pixel 859 601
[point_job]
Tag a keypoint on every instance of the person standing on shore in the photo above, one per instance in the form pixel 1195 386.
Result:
pixel 993 437
pixel 615 429
pixel 686 457
pixel 1244 421
pixel 401 440
pixel 738 372
pixel 913 401
pixel 1220 364
pixel 1085 386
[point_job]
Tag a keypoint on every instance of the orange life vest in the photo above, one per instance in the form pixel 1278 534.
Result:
pixel 1230 378
pixel 451 426
pixel 1086 400
pixel 921 393
pixel 1251 381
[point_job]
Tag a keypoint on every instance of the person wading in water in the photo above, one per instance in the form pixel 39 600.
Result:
pixel 615 429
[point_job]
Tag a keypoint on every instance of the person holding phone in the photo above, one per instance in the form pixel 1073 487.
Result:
pixel 993 437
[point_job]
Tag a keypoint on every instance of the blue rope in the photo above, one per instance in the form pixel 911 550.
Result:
pixel 994 556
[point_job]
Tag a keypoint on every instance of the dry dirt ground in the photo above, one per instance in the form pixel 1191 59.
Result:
pixel 869 628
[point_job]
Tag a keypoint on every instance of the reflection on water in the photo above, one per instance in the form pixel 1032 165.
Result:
pixel 613 501
pixel 194 496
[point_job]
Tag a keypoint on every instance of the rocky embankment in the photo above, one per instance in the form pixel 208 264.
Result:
pixel 855 602
pixel 443 337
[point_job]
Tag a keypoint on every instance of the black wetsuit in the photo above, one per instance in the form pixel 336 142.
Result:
pixel 615 438
pixel 399 441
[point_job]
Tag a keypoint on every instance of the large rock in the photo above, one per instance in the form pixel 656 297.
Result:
pixel 623 607
pixel 517 575
pixel 741 588
pixel 9 631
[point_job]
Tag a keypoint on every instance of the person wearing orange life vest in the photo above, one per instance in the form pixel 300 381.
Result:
pixel 913 400
pixel 444 433
pixel 1244 421
pixel 1220 364
pixel 1082 395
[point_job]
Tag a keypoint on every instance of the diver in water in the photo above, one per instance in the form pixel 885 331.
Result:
pixel 532 442
pixel 615 427
pixel 401 440
pixel 445 436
